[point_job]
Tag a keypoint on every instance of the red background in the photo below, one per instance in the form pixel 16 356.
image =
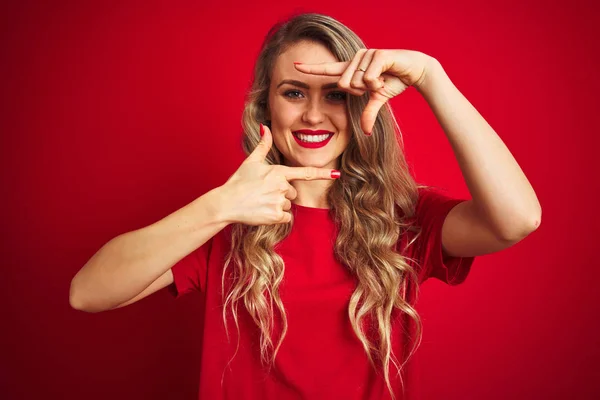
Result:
pixel 115 114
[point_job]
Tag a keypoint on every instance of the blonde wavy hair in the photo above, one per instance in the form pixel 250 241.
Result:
pixel 371 205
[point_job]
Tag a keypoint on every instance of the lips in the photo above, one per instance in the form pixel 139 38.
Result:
pixel 310 145
pixel 310 132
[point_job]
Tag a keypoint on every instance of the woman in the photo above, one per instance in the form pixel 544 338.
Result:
pixel 310 256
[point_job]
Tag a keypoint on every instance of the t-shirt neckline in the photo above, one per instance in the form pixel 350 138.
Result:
pixel 310 209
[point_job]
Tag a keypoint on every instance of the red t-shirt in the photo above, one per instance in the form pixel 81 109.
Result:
pixel 320 357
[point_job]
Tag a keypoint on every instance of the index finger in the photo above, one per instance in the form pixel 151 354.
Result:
pixel 309 173
pixel 328 68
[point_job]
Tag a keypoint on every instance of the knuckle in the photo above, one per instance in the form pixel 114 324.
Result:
pixel 287 218
pixel 282 216
pixel 262 146
pixel 276 216
pixel 271 172
pixel 355 84
pixel 369 77
pixel 343 84
pixel 276 169
pixel 310 172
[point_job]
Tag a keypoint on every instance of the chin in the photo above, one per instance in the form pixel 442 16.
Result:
pixel 296 164
pixel 318 162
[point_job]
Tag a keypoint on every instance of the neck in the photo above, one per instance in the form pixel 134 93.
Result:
pixel 311 193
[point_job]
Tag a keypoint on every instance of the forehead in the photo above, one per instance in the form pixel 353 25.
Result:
pixel 305 52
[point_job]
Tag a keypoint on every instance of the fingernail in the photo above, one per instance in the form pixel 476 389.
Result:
pixel 335 173
pixel 262 130
pixel 297 62
pixel 368 133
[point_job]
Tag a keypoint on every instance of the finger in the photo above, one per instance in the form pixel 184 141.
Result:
pixel 357 80
pixel 286 189
pixel 286 218
pixel 287 205
pixel 376 68
pixel 291 193
pixel 371 78
pixel 344 82
pixel 328 69
pixel 264 146
pixel 367 119
pixel 307 173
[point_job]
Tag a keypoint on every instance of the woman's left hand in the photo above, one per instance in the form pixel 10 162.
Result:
pixel 384 73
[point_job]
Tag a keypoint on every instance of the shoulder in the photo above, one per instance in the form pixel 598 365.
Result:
pixel 432 207
pixel 428 202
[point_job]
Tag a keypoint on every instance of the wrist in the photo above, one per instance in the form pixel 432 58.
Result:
pixel 433 72
pixel 215 204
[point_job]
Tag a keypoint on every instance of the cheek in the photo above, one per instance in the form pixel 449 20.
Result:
pixel 340 119
pixel 284 112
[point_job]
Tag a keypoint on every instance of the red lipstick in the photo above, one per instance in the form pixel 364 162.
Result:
pixel 308 132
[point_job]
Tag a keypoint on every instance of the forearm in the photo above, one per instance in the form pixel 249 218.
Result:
pixel 498 186
pixel 130 262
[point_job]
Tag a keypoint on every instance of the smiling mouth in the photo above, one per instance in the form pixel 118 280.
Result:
pixel 307 136
pixel 313 138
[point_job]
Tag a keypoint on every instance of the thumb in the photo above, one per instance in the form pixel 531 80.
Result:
pixel 264 146
pixel 370 112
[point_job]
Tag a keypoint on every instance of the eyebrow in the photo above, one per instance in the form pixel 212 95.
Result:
pixel 305 86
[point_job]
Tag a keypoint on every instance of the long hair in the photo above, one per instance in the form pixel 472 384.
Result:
pixel 370 204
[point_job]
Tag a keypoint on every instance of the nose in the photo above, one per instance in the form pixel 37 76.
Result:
pixel 313 114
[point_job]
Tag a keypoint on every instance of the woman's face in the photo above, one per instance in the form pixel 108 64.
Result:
pixel 308 113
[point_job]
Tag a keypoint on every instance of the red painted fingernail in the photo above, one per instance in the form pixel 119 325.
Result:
pixel 297 62
pixel 262 130
pixel 335 173
pixel 368 133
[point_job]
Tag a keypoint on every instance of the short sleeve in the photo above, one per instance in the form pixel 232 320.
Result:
pixel 189 273
pixel 432 208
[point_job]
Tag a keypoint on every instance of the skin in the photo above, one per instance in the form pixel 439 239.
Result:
pixel 504 208
pixel 292 108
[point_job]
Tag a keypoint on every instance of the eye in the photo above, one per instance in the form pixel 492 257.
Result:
pixel 337 96
pixel 333 96
pixel 292 94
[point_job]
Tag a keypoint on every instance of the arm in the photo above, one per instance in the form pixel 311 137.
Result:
pixel 138 263
pixel 504 208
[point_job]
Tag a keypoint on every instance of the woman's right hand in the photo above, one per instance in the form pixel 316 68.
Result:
pixel 259 193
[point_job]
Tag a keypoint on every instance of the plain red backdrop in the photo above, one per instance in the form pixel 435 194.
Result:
pixel 115 114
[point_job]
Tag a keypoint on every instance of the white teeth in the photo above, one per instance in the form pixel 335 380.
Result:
pixel 312 138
